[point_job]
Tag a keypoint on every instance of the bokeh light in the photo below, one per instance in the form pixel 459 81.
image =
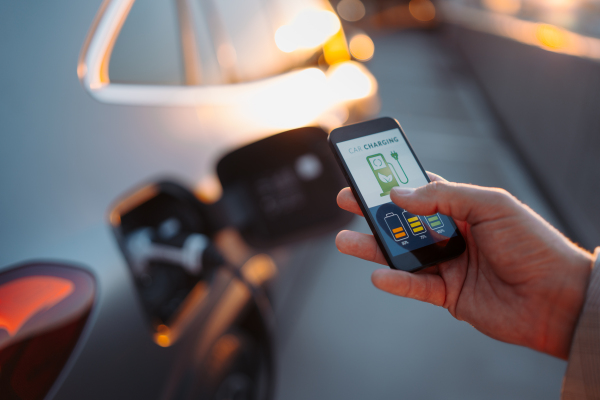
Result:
pixel 551 36
pixel 348 81
pixel 351 10
pixel 162 337
pixel 305 97
pixel 362 47
pixel 310 28
pixel 544 35
pixel 335 50
pixel 422 10
pixel 294 102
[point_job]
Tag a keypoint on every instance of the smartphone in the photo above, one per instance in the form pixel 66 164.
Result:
pixel 375 156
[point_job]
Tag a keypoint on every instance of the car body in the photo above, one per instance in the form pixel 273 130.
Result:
pixel 73 149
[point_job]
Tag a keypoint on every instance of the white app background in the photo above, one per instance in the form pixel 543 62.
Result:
pixel 355 155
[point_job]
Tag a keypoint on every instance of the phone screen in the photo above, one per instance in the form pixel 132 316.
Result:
pixel 378 163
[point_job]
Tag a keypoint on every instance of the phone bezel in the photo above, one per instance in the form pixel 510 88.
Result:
pixel 426 256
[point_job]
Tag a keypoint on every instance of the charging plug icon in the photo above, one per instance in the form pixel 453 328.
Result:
pixel 395 157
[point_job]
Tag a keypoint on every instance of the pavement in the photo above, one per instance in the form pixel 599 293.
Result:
pixel 339 337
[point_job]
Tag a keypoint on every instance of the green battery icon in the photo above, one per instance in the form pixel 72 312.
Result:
pixel 414 223
pixel 434 221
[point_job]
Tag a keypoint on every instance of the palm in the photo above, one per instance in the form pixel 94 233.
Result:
pixel 486 285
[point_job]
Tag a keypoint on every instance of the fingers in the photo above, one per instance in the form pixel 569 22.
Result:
pixel 423 287
pixel 435 177
pixel 470 203
pixel 347 201
pixel 359 245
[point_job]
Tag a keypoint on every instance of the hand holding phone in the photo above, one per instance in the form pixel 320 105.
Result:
pixel 520 281
pixel 376 157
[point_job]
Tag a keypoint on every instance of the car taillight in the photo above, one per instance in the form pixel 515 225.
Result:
pixel 43 309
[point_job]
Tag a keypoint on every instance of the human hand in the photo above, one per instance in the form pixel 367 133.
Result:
pixel 519 281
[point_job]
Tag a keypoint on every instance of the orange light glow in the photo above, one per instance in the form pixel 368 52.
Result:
pixel 227 309
pixel 23 298
pixel 503 6
pixel 162 340
pixel 545 36
pixel 259 269
pixel 232 245
pixel 562 5
pixel 130 202
pixel 422 10
pixel 209 189
pixel 100 77
pixel 310 29
pixel 551 36
pixel 166 336
pixel 362 47
pixel 335 50
pixel 114 218
pixel 162 336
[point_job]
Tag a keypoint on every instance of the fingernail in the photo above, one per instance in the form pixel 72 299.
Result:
pixel 398 191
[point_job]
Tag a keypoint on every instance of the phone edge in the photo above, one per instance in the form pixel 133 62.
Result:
pixel 360 202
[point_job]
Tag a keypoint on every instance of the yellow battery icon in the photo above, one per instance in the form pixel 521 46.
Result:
pixel 414 223
pixel 434 221
pixel 395 225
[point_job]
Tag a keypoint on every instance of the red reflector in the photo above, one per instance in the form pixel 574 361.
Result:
pixel 23 298
pixel 43 309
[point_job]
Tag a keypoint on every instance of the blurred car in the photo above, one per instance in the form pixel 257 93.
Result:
pixel 168 88
pixel 254 66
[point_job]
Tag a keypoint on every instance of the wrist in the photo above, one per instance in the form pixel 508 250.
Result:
pixel 568 304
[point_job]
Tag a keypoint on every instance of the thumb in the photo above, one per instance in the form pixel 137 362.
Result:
pixel 474 204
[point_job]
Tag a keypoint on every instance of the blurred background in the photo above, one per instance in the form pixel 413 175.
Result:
pixel 99 98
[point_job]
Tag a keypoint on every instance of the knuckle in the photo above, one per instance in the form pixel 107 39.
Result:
pixel 432 188
pixel 436 191
pixel 502 193
pixel 502 197
pixel 438 186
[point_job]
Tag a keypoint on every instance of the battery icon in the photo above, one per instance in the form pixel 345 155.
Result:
pixel 434 221
pixel 395 225
pixel 414 223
